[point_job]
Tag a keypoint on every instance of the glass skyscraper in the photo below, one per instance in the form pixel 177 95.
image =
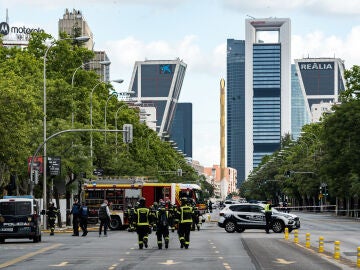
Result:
pixel 267 87
pixel 158 83
pixel 235 107
pixel 181 128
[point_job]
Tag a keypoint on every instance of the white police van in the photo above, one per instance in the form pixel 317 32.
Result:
pixel 20 218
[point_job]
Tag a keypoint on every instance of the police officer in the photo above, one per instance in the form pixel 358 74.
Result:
pixel 185 214
pixel 142 223
pixel 84 214
pixel 268 214
pixel 162 224
pixel 75 211
pixel 52 213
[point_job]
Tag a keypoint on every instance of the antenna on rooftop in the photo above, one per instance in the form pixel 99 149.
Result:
pixel 250 16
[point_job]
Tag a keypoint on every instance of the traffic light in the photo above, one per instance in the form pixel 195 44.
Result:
pixel 179 172
pixel 36 176
pixel 287 173
pixel 128 133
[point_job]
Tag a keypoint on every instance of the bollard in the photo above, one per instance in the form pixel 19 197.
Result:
pixel 337 250
pixel 296 236
pixel 286 233
pixel 321 244
pixel 307 240
pixel 209 217
pixel 358 257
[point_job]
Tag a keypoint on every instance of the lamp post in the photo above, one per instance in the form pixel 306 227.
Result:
pixel 116 116
pixel 91 107
pixel 107 101
pixel 104 63
pixel 81 39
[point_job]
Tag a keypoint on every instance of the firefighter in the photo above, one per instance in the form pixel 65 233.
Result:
pixel 153 208
pixel 185 215
pixel 196 218
pixel 142 221
pixel 51 213
pixel 162 224
pixel 130 216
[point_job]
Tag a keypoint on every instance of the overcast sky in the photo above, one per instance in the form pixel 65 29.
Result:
pixel 196 31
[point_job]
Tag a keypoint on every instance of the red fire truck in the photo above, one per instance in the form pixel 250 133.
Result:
pixel 122 193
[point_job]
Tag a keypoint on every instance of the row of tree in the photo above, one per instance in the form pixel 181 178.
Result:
pixel 68 107
pixel 323 165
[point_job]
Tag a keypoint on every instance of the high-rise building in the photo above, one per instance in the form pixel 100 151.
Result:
pixel 235 107
pixel 267 87
pixel 159 82
pixel 299 113
pixel 320 82
pixel 181 128
pixel 74 24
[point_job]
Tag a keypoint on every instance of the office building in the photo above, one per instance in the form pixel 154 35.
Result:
pixel 158 82
pixel 74 24
pixel 181 128
pixel 299 113
pixel 235 107
pixel 320 81
pixel 267 87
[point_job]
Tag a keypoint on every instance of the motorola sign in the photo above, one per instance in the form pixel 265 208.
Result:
pixel 4 28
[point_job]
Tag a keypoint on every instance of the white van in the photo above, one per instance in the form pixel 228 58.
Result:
pixel 20 218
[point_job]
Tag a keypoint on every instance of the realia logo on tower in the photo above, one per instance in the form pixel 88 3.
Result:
pixel 4 28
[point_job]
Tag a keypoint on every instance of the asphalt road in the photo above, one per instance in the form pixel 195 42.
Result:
pixel 210 248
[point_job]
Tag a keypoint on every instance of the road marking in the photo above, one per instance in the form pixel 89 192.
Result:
pixel 112 267
pixel 27 256
pixel 169 262
pixel 282 261
pixel 60 264
pixel 121 260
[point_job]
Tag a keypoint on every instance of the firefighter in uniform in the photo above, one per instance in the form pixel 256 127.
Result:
pixel 196 218
pixel 52 213
pixel 268 214
pixel 130 216
pixel 185 214
pixel 173 220
pixel 142 223
pixel 162 224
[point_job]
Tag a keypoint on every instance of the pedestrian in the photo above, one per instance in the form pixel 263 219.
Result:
pixel 104 216
pixel 185 214
pixel 268 214
pixel 52 213
pixel 84 214
pixel 142 221
pixel 162 224
pixel 75 212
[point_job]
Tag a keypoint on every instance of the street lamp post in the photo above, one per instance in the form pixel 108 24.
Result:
pixel 91 107
pixel 116 116
pixel 82 39
pixel 107 101
pixel 103 63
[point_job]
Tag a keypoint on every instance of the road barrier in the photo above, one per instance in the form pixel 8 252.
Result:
pixel 321 244
pixel 307 240
pixel 296 236
pixel 286 235
pixel 337 250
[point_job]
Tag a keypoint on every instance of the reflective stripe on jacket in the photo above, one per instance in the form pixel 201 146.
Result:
pixel 142 216
pixel 186 213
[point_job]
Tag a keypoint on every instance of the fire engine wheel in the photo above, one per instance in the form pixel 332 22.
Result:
pixel 115 223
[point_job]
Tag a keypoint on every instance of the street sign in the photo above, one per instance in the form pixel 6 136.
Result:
pixel 37 164
pixel 54 165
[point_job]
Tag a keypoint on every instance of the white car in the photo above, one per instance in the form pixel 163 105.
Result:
pixel 241 216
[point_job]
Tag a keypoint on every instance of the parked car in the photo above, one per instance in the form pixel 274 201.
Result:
pixel 241 216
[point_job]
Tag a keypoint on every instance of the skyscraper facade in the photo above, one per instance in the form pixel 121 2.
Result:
pixel 159 82
pixel 267 87
pixel 235 107
pixel 74 24
pixel 321 80
pixel 299 112
pixel 181 128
